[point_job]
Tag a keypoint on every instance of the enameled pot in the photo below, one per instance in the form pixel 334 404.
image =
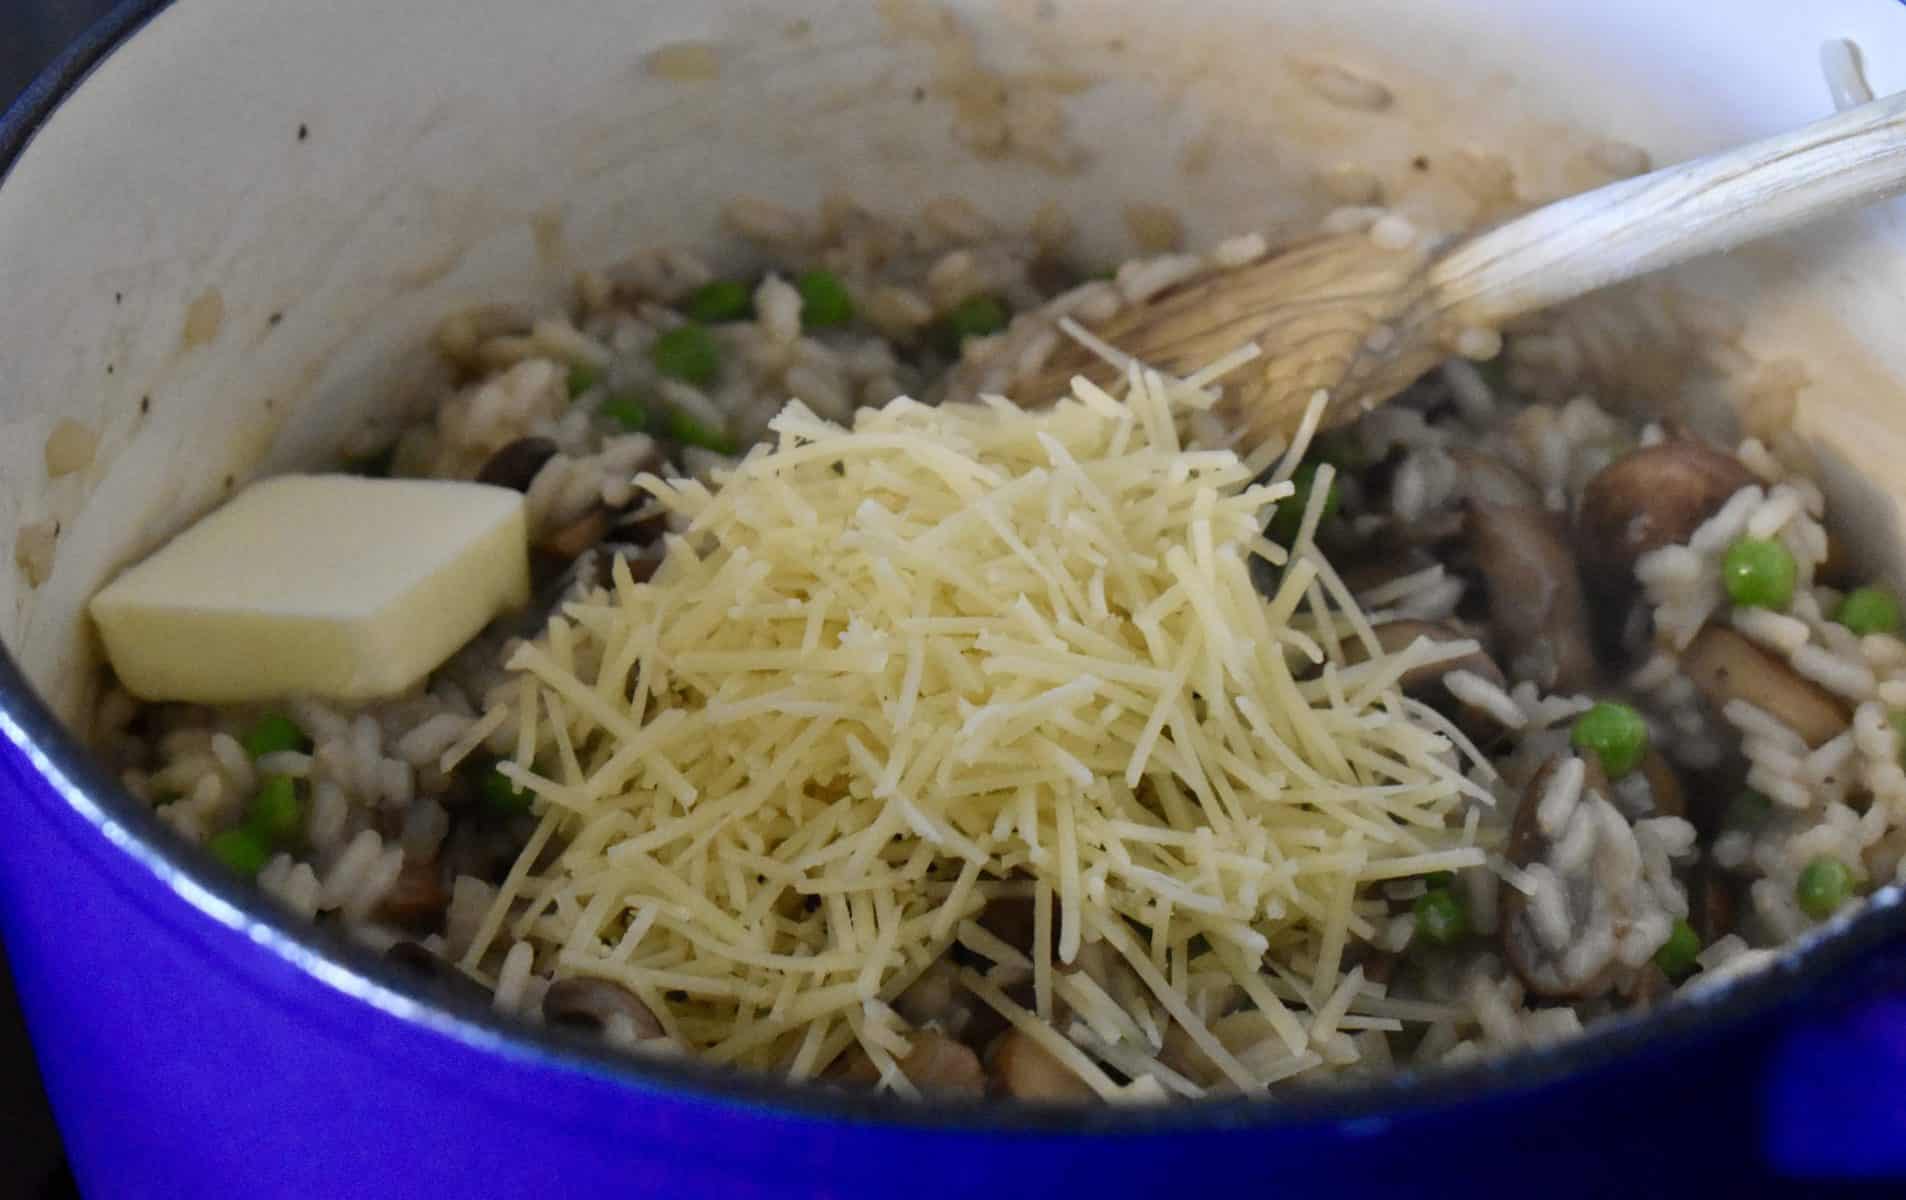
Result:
pixel 226 227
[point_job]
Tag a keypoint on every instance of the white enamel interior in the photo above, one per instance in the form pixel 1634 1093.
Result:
pixel 469 150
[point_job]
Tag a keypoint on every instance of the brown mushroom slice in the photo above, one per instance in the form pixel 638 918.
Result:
pixel 600 1006
pixel 1649 498
pixel 1386 565
pixel 1713 907
pixel 567 542
pixel 1487 479
pixel 1840 568
pixel 1664 785
pixel 417 899
pixel 1010 919
pixel 1399 635
pixel 1543 935
pixel 937 1000
pixel 1185 1056
pixel 1023 1069
pixel 1429 681
pixel 516 464
pixel 1647 987
pixel 935 1063
pixel 417 958
pixel 1726 666
pixel 1535 596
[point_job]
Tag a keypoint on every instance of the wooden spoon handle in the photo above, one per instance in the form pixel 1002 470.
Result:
pixel 1589 241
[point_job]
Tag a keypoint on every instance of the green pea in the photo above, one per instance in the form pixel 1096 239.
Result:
pixel 501 796
pixel 276 814
pixel 681 427
pixel 824 300
pixel 1824 885
pixel 1440 917
pixel 722 300
pixel 1289 517
pixel 1749 810
pixel 687 353
pixel 627 410
pixel 1616 735
pixel 1869 610
pixel 975 316
pixel 272 733
pixel 582 377
pixel 1677 954
pixel 1758 573
pixel 241 850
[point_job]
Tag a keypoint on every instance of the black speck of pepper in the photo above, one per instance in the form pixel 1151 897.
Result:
pixel 919 95
pixel 304 132
pixel 229 481
pixel 145 404
pixel 109 368
pixel 1420 162
pixel 274 318
pixel 119 297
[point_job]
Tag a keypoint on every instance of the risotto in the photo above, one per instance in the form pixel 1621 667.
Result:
pixel 867 727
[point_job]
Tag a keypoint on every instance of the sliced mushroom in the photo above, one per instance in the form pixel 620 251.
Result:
pixel 1713 907
pixel 1535 596
pixel 1549 965
pixel 1664 785
pixel 1725 666
pixel 600 1006
pixel 1839 568
pixel 1397 636
pixel 641 527
pixel 417 958
pixel 936 1000
pixel 1010 919
pixel 1429 682
pixel 567 542
pixel 1368 572
pixel 1023 1069
pixel 1649 498
pixel 1646 987
pixel 517 463
pixel 1182 1055
pixel 1486 479
pixel 417 899
pixel 934 1063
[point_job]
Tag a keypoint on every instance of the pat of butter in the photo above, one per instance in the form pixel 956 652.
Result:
pixel 328 585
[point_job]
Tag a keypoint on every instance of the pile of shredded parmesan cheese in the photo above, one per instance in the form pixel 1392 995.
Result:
pixel 885 674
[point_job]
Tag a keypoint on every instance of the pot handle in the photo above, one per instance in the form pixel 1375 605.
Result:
pixel 1833 1095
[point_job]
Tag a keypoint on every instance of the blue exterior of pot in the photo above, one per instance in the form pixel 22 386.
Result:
pixel 196 1043
pixel 191 1050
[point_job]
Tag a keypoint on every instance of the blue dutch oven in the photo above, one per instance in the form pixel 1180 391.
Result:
pixel 324 179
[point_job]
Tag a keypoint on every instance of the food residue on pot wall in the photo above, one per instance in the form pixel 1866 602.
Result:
pixel 1156 228
pixel 33 550
pixel 997 114
pixel 69 448
pixel 203 318
pixel 685 61
pixel 546 228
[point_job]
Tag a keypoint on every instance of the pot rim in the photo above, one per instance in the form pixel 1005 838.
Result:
pixel 119 825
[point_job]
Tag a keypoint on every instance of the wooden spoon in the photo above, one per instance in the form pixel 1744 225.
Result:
pixel 1361 316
